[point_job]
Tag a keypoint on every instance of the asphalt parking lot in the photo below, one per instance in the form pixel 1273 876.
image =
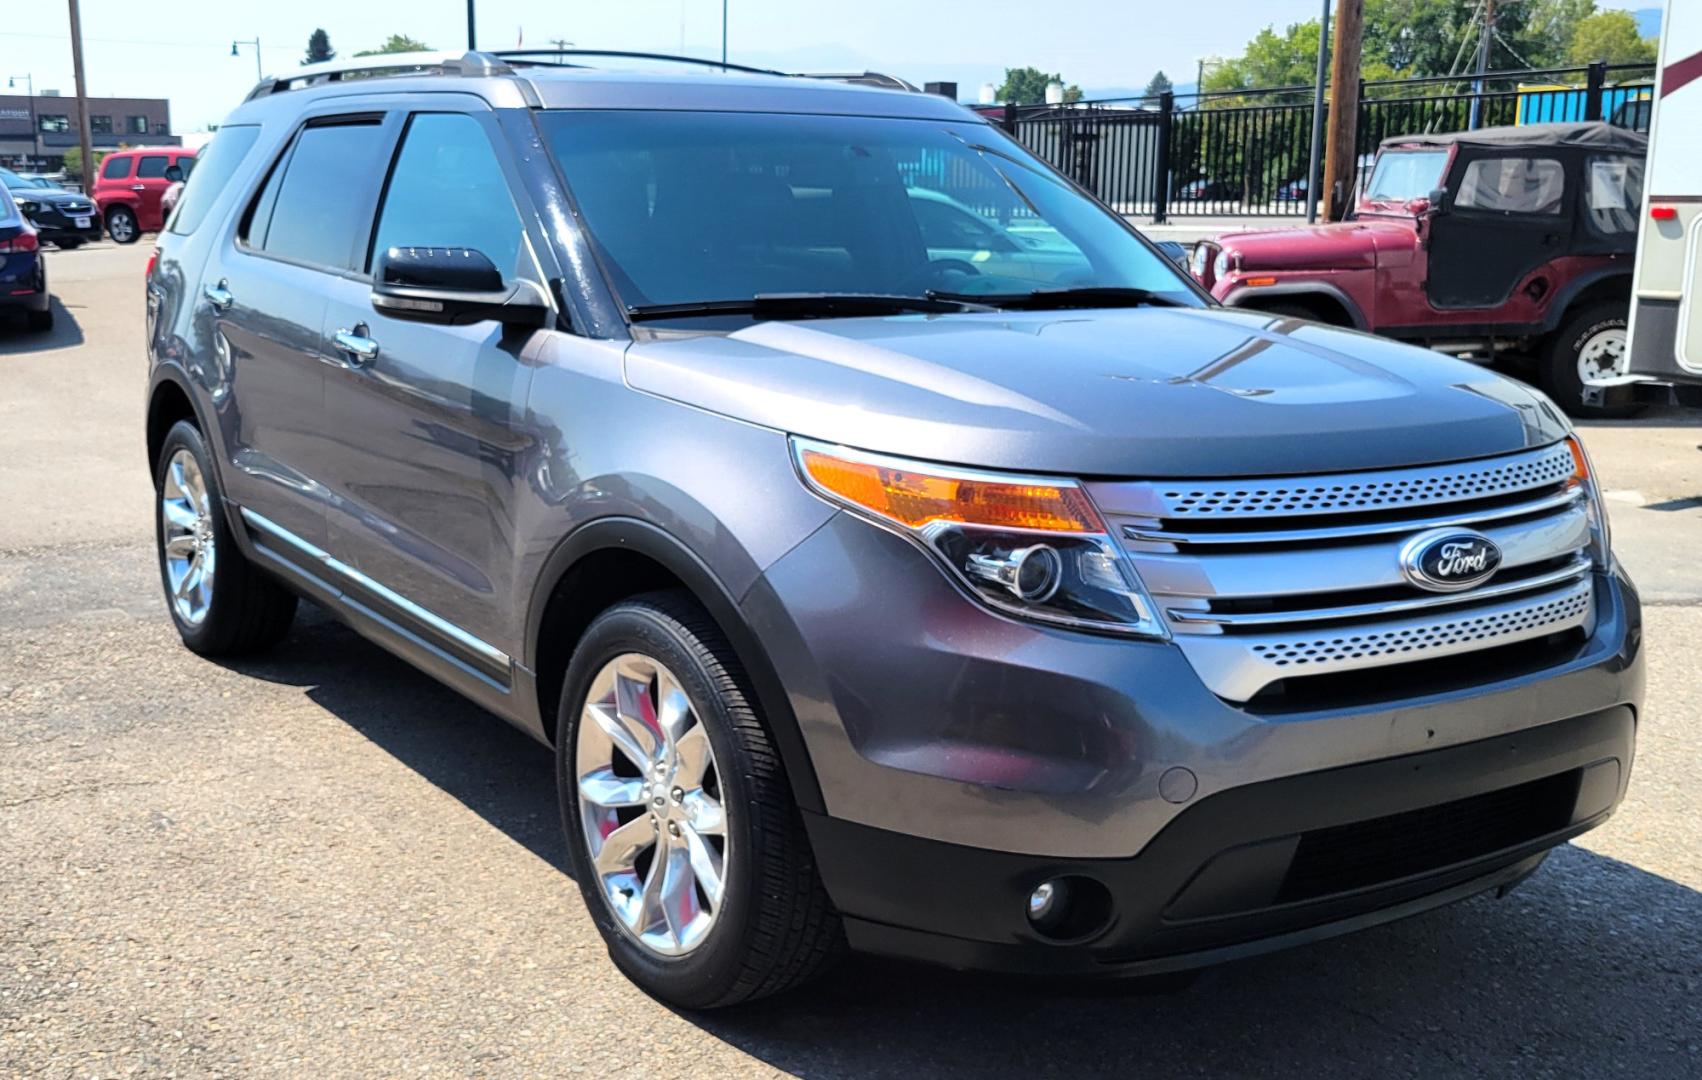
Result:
pixel 322 863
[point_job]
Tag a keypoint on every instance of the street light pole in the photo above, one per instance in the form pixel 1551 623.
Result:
pixel 83 138
pixel 255 41
pixel 723 33
pixel 472 35
pixel 35 136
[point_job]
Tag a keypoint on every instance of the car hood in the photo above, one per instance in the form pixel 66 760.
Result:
pixel 1348 245
pixel 1184 392
pixel 52 196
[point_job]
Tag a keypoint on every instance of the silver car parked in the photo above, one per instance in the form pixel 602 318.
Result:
pixel 896 549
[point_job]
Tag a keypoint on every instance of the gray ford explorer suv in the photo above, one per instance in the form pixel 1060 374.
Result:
pixel 898 551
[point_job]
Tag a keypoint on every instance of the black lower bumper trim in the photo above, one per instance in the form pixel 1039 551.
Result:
pixel 1249 869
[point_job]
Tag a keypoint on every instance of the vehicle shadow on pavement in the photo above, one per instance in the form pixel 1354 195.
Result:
pixel 16 338
pixel 492 768
pixel 1593 966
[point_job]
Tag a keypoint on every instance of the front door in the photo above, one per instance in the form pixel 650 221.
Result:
pixel 427 421
pixel 1508 215
pixel 149 186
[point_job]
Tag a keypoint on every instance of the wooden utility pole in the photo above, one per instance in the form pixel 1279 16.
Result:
pixel 1341 159
pixel 82 100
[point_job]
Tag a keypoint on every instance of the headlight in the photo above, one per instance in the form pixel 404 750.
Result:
pixel 1200 260
pixel 1584 476
pixel 1035 547
pixel 27 207
pixel 1221 266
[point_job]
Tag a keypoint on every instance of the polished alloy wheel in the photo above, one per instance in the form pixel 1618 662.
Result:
pixel 1601 356
pixel 187 520
pixel 650 805
pixel 122 228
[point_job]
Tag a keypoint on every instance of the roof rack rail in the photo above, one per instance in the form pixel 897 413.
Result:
pixel 864 78
pixel 561 55
pixel 383 64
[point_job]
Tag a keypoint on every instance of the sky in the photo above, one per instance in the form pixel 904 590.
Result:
pixel 181 50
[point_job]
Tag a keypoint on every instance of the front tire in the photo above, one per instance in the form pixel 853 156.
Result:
pixel 1588 346
pixel 681 827
pixel 121 225
pixel 222 604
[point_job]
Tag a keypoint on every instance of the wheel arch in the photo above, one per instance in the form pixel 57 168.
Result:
pixel 1601 286
pixel 169 400
pixel 607 560
pixel 1331 303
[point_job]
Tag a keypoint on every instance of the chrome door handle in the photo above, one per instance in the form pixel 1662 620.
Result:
pixel 138 187
pixel 218 296
pixel 354 344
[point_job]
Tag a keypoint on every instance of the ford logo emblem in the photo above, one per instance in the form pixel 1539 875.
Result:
pixel 1448 560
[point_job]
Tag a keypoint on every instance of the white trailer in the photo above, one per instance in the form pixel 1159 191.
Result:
pixel 1666 312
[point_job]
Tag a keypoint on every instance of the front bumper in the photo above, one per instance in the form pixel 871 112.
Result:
pixel 54 226
pixel 1249 870
pixel 964 757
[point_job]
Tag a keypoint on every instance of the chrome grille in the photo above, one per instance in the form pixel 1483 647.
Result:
pixel 1281 577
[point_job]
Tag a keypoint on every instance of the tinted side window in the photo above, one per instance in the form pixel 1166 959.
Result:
pixel 447 190
pixel 1513 185
pixel 187 164
pixel 223 155
pixel 319 201
pixel 152 167
pixel 116 168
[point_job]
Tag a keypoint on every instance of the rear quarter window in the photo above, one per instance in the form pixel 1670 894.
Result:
pixel 223 155
pixel 152 167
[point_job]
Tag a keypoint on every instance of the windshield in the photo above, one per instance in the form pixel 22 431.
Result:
pixel 1402 175
pixel 691 207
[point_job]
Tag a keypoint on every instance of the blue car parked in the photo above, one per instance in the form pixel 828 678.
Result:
pixel 23 273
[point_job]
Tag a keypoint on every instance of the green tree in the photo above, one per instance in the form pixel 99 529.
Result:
pixel 1610 36
pixel 1158 84
pixel 1027 86
pixel 398 43
pixel 319 48
pixel 74 162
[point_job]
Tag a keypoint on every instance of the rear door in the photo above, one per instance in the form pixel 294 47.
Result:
pixel 267 292
pixel 423 503
pixel 1509 214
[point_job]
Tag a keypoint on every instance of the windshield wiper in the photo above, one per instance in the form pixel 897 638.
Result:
pixel 808 306
pixel 1083 296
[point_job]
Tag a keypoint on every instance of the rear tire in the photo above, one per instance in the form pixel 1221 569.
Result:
pixel 1590 340
pixel 234 607
pixel 769 924
pixel 121 225
pixel 41 321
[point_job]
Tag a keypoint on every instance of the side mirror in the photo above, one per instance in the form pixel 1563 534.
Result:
pixel 454 286
pixel 1438 200
pixel 174 173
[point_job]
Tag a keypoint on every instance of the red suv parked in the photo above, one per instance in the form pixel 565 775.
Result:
pixel 129 185
pixel 1514 243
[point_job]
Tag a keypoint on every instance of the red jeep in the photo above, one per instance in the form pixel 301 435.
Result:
pixel 1514 243
pixel 129 185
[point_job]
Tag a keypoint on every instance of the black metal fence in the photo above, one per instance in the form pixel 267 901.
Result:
pixel 1247 152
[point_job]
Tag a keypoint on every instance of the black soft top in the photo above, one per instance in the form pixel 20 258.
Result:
pixel 1590 136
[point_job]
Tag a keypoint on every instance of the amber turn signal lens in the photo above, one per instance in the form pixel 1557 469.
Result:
pixel 1580 461
pixel 914 499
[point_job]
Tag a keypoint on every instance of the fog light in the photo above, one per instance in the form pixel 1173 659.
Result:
pixel 1029 573
pixel 1045 903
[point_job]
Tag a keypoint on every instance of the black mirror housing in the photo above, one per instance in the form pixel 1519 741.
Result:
pixel 1439 200
pixel 454 286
